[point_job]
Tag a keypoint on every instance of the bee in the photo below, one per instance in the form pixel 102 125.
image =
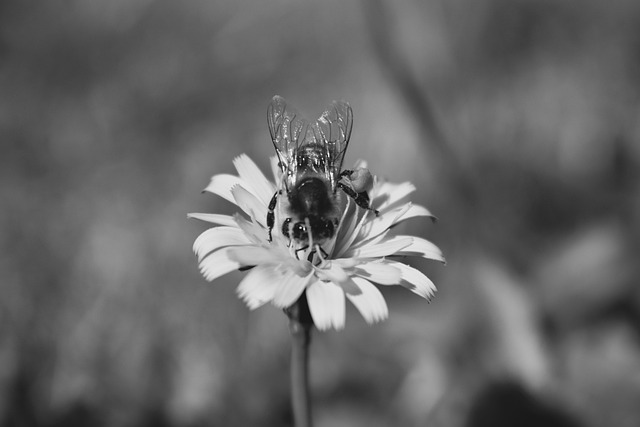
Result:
pixel 310 157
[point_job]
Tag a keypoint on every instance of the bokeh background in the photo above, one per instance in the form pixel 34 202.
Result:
pixel 518 121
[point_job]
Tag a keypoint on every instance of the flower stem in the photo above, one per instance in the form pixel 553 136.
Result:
pixel 300 324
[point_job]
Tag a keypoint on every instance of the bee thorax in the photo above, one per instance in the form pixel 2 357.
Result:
pixel 311 196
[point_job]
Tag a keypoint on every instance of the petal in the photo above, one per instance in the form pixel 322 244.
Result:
pixel 222 185
pixel 380 272
pixel 252 229
pixel 386 247
pixel 300 267
pixel 422 248
pixel 258 286
pixel 386 196
pixel 360 163
pixel 290 288
pixel 415 281
pixel 254 178
pixel 414 211
pixel 250 204
pixel 254 255
pixel 217 264
pixel 216 238
pixel 369 302
pixel 348 235
pixel 326 304
pixel 333 272
pixel 213 218
pixel 378 225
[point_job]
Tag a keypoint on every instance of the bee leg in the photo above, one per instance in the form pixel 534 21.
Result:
pixel 346 172
pixel 270 215
pixel 361 198
pixel 322 252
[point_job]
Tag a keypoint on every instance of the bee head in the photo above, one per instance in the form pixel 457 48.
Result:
pixel 316 228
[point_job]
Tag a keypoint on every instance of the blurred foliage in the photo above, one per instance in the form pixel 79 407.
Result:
pixel 517 121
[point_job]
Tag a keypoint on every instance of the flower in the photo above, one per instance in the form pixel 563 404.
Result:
pixel 360 254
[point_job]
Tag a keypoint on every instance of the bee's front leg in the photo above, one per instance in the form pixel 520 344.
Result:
pixel 270 215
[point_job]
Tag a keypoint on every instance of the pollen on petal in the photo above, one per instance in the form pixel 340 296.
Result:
pixel 326 304
pixel 369 302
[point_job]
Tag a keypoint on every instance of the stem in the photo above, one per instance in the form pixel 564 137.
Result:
pixel 300 324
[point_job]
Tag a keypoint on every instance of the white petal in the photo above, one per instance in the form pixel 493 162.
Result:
pixel 217 264
pixel 222 185
pixel 333 272
pixel 214 218
pixel 254 178
pixel 423 248
pixel 386 195
pixel 360 163
pixel 250 204
pixel 414 211
pixel 258 287
pixel 218 237
pixel 288 263
pixel 415 281
pixel 289 290
pixel 379 272
pixel 378 225
pixel 326 304
pixel 386 247
pixel 348 235
pixel 254 255
pixel 369 302
pixel 253 230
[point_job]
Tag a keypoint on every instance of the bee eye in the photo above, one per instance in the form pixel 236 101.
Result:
pixel 328 228
pixel 300 231
pixel 285 227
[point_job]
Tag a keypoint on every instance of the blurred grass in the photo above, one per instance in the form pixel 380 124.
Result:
pixel 113 116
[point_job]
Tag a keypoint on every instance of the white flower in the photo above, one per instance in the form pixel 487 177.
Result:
pixel 361 253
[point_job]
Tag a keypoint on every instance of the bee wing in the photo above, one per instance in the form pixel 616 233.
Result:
pixel 288 130
pixel 333 128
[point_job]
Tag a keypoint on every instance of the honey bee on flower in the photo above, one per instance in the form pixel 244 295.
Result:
pixel 310 159
pixel 315 229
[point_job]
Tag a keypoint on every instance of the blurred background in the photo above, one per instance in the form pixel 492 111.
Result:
pixel 516 119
